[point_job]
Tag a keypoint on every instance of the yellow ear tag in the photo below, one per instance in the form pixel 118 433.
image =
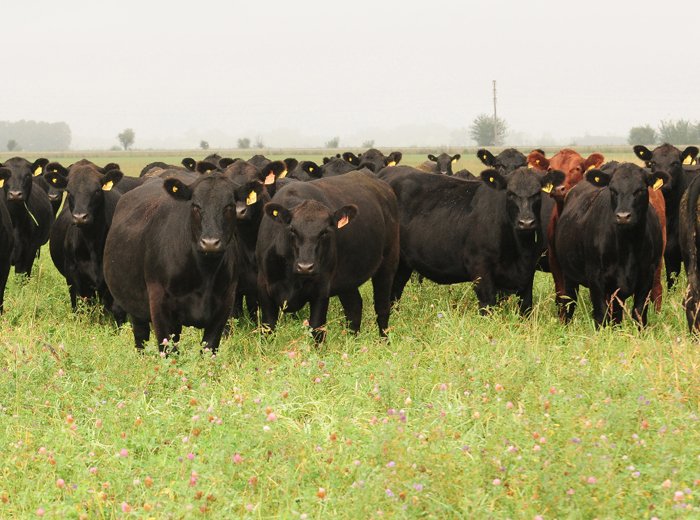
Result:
pixel 657 185
pixel 343 222
pixel 173 189
pixel 37 171
pixel 283 174
pixel 270 179
pixel 391 163
pixel 537 162
pixel 108 186
pixel 688 160
pixel 252 198
pixel 596 178
pixel 491 179
pixel 454 161
pixel 275 212
pixel 2 182
pixel 311 168
pixel 590 167
pixel 547 188
pixel 530 166
pixel 54 180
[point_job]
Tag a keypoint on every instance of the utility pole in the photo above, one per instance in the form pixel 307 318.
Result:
pixel 495 118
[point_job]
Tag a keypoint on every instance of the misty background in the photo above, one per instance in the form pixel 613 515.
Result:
pixel 297 74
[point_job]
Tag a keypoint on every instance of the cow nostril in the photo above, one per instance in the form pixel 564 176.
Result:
pixel 80 218
pixel 526 222
pixel 14 195
pixel 623 217
pixel 305 267
pixel 209 245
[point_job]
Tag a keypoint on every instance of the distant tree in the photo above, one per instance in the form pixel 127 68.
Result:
pixel 678 132
pixel 368 144
pixel 36 135
pixel 126 138
pixel 204 145
pixel 642 135
pixel 333 143
pixel 259 142
pixel 115 148
pixel 12 145
pixel 244 143
pixel 481 130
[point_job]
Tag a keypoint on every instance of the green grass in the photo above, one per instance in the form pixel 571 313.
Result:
pixel 458 416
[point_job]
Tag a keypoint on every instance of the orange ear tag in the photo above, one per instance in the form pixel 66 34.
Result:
pixel 108 186
pixel 343 222
pixel 270 179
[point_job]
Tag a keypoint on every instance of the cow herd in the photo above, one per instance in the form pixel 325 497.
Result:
pixel 199 243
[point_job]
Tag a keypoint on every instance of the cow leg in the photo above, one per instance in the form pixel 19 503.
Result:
pixel 403 274
pixel 642 295
pixel 382 288
pixel 4 275
pixel 269 310
pixel 251 302
pixel 567 303
pixel 163 328
pixel 142 331
pixel 673 267
pixel 73 297
pixel 237 311
pixel 317 319
pixel 601 305
pixel 525 296
pixel 352 305
pixel 485 293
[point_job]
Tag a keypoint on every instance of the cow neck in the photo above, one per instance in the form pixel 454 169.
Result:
pixel 20 214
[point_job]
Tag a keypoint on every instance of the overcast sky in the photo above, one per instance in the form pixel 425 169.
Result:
pixel 298 72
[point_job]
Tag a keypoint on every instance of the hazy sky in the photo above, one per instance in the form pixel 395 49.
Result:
pixel 300 72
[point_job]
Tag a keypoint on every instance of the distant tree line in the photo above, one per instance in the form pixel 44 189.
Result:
pixel 34 135
pixel 680 131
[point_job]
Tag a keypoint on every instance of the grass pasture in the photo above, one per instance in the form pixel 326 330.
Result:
pixel 458 416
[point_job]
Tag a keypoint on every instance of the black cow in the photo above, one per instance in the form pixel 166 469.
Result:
pixel 689 227
pixel 171 257
pixel 466 175
pixel 455 230
pixel 505 162
pixel 608 238
pixel 253 188
pixel 30 211
pixel 309 170
pixel 669 159
pixel 440 164
pixel 55 195
pixel 6 240
pixel 324 238
pixel 78 236
pixel 373 159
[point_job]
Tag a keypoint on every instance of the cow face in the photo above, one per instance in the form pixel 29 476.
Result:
pixel 524 189
pixel 568 161
pixel 444 162
pixel 85 187
pixel 253 186
pixel 629 190
pixel 310 230
pixel 374 160
pixel 667 158
pixel 18 186
pixel 212 214
pixel 505 162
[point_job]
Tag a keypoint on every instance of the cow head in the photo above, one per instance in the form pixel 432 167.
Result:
pixel 374 160
pixel 253 187
pixel 568 161
pixel 667 158
pixel 310 229
pixel 212 215
pixel 18 186
pixel 86 188
pixel 629 194
pixel 444 162
pixel 308 170
pixel 523 194
pixel 507 161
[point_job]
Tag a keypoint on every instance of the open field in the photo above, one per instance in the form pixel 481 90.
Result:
pixel 458 416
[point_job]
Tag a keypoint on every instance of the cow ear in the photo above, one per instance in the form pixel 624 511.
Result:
pixel 312 169
pixel 485 156
pixel 494 179
pixel 351 158
pixel 38 166
pixel 291 163
pixel 189 163
pixel 254 194
pixel 595 160
pixel 551 180
pixel 111 178
pixel 537 161
pixel 642 152
pixel 226 162
pixel 456 157
pixel 394 158
pixel 431 157
pixel 540 150
pixel 326 160
pixel 656 180
pixel 110 166
pixel 56 179
pixel 5 174
pixel 691 151
pixel 598 178
pixel 177 189
pixel 205 167
pixel 56 168
pixel 344 215
pixel 278 213
pixel 273 171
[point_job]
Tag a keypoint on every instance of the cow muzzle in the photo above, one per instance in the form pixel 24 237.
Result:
pixel 15 195
pixel 526 224
pixel 210 245
pixel 306 268
pixel 80 219
pixel 623 218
